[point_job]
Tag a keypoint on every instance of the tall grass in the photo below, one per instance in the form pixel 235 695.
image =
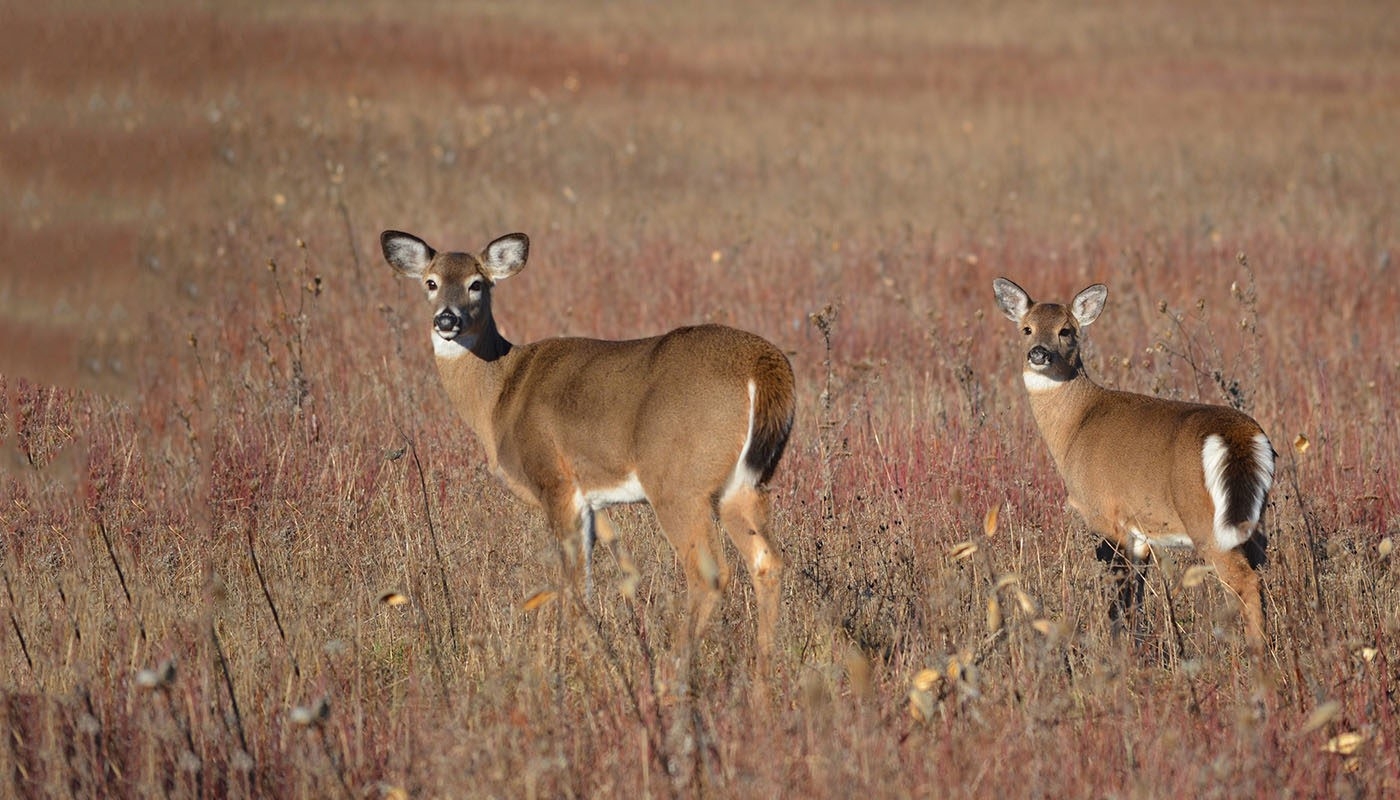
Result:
pixel 248 549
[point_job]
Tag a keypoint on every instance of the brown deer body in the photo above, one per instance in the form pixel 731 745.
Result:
pixel 692 422
pixel 1142 471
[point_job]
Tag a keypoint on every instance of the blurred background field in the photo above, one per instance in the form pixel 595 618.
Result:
pixel 224 439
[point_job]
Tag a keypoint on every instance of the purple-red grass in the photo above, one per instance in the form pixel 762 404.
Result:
pixel 225 574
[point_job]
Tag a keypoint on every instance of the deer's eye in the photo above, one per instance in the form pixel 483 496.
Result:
pixel 431 284
pixel 1065 333
pixel 1026 331
pixel 476 286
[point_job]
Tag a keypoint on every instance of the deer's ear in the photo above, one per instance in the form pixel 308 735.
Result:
pixel 1011 299
pixel 1088 304
pixel 406 253
pixel 505 256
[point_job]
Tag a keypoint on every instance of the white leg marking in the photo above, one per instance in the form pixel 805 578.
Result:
pixel 1141 543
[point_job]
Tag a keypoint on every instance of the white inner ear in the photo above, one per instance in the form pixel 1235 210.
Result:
pixel 1013 300
pixel 1088 304
pixel 505 257
pixel 408 254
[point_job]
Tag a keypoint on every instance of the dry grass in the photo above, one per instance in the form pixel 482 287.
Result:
pixel 225 574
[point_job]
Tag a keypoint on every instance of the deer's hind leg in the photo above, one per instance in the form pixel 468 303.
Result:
pixel 744 513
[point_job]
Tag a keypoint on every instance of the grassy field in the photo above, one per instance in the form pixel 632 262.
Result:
pixel 248 548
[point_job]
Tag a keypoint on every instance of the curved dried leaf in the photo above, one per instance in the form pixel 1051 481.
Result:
pixel 1344 744
pixel 393 598
pixel 1301 444
pixel 989 523
pixel 1195 575
pixel 538 599
pixel 1386 547
pixel 926 680
pixel 1006 580
pixel 993 614
pixel 1321 715
pixel 962 550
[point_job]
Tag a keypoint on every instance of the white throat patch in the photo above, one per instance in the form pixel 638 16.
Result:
pixel 1036 382
pixel 453 348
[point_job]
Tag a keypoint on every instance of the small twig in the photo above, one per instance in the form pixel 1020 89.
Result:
pixel 14 621
pixel 271 604
pixel 228 685
pixel 121 576
pixel 432 536
pixel 652 725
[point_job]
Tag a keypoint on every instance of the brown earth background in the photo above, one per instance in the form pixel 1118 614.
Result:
pixel 224 443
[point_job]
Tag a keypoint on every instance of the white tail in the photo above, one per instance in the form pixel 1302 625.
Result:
pixel 693 422
pixel 1141 470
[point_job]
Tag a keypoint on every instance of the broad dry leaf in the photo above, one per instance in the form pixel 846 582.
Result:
pixel 1301 444
pixel 993 614
pixel 962 550
pixel 1195 575
pixel 1344 744
pixel 538 599
pixel 989 523
pixel 1321 715
pixel 1386 547
pixel 926 680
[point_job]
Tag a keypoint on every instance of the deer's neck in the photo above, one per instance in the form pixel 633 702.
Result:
pixel 473 368
pixel 1059 407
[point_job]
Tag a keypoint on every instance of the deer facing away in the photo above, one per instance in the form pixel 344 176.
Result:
pixel 693 422
pixel 1145 472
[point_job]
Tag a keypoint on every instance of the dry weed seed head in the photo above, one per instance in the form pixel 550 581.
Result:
pixel 158 678
pixel 315 715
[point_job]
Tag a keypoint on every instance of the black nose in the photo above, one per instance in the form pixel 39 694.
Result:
pixel 446 321
pixel 1039 356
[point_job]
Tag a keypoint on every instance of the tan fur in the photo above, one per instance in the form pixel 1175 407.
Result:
pixel 1131 462
pixel 560 418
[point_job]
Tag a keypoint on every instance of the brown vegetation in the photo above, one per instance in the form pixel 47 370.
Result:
pixel 242 554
